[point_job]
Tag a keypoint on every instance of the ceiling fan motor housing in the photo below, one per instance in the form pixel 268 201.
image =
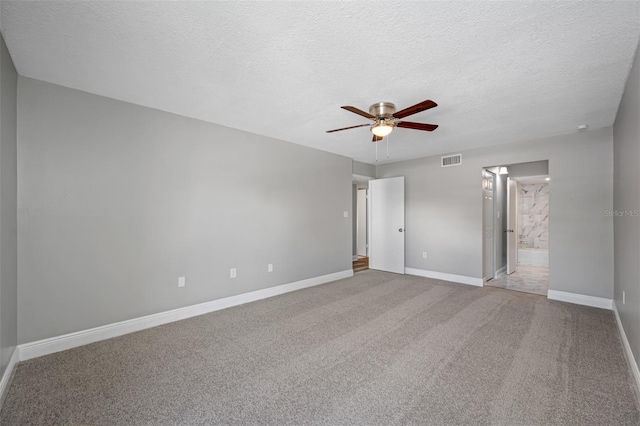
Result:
pixel 382 109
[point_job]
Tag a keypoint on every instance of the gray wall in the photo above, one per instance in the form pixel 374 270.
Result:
pixel 8 209
pixel 363 169
pixel 626 197
pixel 116 201
pixel 444 209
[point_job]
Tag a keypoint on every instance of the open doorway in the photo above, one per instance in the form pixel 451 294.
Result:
pixel 521 216
pixel 379 220
pixel 360 223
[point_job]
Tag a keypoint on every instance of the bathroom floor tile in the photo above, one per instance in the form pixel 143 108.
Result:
pixel 528 279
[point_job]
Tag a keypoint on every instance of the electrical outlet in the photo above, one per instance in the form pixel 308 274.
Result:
pixel 424 254
pixel 270 267
pixel 623 298
pixel 182 281
pixel 232 273
pixel 346 214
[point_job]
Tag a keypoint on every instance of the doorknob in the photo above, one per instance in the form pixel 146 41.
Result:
pixel 400 230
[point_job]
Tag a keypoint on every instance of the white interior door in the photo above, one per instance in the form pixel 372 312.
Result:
pixel 488 184
pixel 362 222
pixel 386 238
pixel 512 246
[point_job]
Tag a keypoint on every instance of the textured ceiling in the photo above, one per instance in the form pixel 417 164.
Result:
pixel 501 72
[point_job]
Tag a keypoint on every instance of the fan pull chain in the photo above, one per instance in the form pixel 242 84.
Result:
pixel 376 143
pixel 388 144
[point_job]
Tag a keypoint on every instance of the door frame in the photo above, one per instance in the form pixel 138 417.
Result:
pixel 360 182
pixel 362 205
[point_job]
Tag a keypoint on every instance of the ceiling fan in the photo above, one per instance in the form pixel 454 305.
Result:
pixel 385 118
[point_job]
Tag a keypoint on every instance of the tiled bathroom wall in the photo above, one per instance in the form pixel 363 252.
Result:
pixel 533 215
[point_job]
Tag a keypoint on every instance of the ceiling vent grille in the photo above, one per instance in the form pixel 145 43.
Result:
pixel 451 160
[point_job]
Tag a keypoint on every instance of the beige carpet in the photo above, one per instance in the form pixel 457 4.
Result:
pixel 375 349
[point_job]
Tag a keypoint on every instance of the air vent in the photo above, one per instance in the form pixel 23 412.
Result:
pixel 451 160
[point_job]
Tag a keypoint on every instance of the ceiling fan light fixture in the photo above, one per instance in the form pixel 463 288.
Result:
pixel 381 129
pixel 385 118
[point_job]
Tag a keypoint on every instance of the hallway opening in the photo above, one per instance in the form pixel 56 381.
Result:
pixel 516 226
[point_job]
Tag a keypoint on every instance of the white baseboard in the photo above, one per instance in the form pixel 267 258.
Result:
pixel 500 271
pixel 628 352
pixel 580 299
pixel 84 337
pixel 6 377
pixel 445 277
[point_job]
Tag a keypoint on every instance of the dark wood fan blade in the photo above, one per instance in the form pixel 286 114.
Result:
pixel 376 138
pixel 347 128
pixel 424 105
pixel 417 126
pixel 359 112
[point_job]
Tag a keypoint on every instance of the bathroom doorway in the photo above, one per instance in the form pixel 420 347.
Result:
pixel 522 200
